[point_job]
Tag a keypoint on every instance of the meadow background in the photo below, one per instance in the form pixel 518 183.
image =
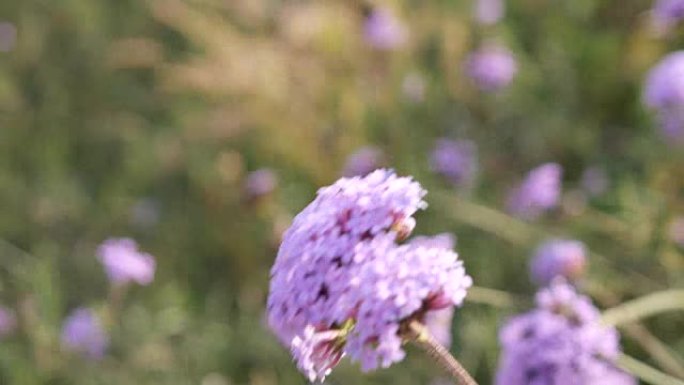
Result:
pixel 144 119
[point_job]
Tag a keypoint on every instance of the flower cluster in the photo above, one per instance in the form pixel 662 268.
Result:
pixel 489 11
pixel 363 161
pixel 667 13
pixel 560 342
pixel 664 93
pixel 558 258
pixel 540 191
pixel 342 284
pixel 260 183
pixel 384 31
pixel 124 263
pixel 456 160
pixel 83 333
pixel 491 67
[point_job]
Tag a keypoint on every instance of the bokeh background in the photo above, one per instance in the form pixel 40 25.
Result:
pixel 145 118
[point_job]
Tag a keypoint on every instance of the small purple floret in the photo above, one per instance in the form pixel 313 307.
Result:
pixel 558 258
pixel 455 160
pixel 664 93
pixel 539 192
pixel 260 183
pixel 489 12
pixel 491 67
pixel 560 342
pixel 363 161
pixel 124 263
pixel 83 333
pixel 384 31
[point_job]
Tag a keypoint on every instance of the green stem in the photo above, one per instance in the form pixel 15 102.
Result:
pixel 645 306
pixel 419 335
pixel 646 372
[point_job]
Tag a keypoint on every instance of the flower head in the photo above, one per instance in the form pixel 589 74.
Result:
pixel 560 342
pixel 83 333
pixel 558 257
pixel 363 161
pixel 341 284
pixel 667 13
pixel 8 321
pixel 397 283
pixel 540 191
pixel 456 160
pixel 123 262
pixel 489 11
pixel 384 31
pixel 664 93
pixel 491 67
pixel 260 183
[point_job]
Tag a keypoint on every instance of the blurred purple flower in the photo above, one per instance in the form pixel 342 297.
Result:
pixel 558 257
pixel 560 342
pixel 455 160
pixel 489 11
pixel 83 333
pixel 342 285
pixel 123 262
pixel 595 181
pixel 363 161
pixel 384 31
pixel 413 87
pixel 667 13
pixel 8 36
pixel 540 191
pixel 491 67
pixel 438 323
pixel 260 183
pixel 8 321
pixel 664 93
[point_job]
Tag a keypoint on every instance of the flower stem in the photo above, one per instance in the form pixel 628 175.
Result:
pixel 419 335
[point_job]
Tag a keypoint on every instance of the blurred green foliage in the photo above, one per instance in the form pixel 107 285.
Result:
pixel 142 119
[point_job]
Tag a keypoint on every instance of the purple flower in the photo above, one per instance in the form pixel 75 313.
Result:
pixel 260 183
pixel 540 191
pixel 491 67
pixel 664 93
pixel 8 321
pixel 560 342
pixel 83 333
pixel 384 31
pixel 394 284
pixel 341 284
pixel 455 160
pixel 667 13
pixel 363 161
pixel 438 323
pixel 558 257
pixel 595 181
pixel 123 262
pixel 8 36
pixel 489 11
